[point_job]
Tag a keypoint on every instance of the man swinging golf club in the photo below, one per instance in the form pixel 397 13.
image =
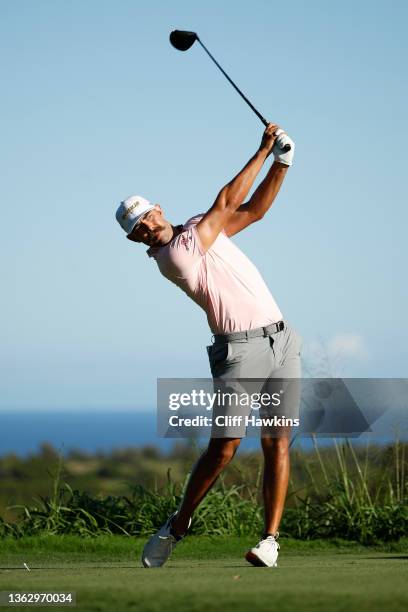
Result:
pixel 251 338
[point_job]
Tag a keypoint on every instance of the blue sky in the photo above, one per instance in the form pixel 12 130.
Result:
pixel 96 105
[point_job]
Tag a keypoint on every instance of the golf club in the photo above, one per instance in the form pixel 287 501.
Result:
pixel 183 40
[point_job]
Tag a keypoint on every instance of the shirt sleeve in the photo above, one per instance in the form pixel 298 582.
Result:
pixel 198 245
pixel 185 255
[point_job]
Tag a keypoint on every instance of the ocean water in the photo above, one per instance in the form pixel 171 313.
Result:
pixel 23 431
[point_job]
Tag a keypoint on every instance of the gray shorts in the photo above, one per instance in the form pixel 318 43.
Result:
pixel 246 368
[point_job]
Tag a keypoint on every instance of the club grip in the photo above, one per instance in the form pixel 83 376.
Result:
pixel 287 147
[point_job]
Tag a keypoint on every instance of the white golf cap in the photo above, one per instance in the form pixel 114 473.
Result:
pixel 131 211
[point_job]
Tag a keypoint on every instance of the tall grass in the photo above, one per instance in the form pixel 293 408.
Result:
pixel 352 505
pixel 346 502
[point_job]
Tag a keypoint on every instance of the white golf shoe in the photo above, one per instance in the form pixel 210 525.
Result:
pixel 160 546
pixel 265 554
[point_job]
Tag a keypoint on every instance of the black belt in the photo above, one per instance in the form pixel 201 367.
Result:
pixel 250 333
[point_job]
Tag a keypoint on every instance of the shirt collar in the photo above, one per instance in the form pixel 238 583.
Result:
pixel 152 251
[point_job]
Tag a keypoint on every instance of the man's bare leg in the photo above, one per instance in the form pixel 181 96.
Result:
pixel 275 480
pixel 219 453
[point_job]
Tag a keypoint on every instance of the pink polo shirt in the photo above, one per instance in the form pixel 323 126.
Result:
pixel 222 280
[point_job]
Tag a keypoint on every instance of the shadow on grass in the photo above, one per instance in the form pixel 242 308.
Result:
pixel 52 567
pixel 391 557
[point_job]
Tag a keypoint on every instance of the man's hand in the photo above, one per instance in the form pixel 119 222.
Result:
pixel 269 138
pixel 282 139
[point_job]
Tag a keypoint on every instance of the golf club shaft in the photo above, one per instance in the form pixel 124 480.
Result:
pixel 257 113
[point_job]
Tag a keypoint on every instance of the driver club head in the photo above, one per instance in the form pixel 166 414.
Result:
pixel 182 40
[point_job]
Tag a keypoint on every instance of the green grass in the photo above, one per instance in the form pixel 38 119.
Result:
pixel 345 492
pixel 210 574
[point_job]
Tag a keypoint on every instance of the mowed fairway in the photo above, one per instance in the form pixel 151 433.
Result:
pixel 208 574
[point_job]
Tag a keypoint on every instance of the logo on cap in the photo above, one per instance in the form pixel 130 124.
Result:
pixel 129 210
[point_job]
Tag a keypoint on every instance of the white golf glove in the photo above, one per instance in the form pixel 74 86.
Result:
pixel 284 157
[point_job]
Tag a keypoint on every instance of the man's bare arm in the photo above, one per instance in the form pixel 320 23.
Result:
pixel 260 202
pixel 234 193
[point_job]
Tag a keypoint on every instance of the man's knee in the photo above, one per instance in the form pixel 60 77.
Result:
pixel 276 445
pixel 220 451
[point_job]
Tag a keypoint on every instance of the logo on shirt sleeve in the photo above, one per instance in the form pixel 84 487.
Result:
pixel 186 241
